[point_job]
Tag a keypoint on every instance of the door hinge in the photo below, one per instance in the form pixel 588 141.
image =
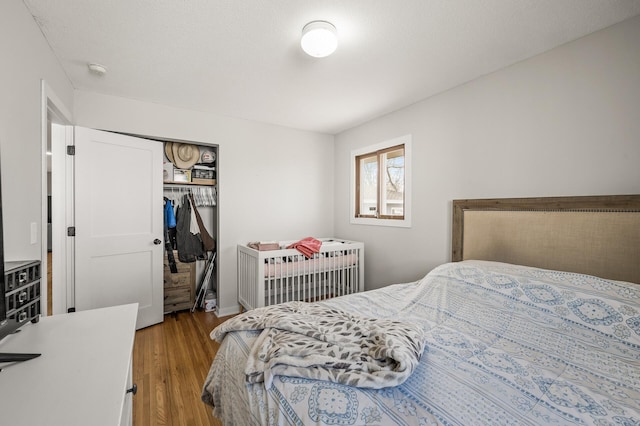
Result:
pixel 71 150
pixel 71 231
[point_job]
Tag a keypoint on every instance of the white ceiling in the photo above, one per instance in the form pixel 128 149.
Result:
pixel 242 58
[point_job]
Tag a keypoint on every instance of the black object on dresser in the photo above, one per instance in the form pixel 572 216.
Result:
pixel 22 290
pixel 21 299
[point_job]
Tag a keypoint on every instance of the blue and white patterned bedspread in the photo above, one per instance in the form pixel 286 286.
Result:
pixel 506 345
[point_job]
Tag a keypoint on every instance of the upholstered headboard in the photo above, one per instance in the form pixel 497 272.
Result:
pixel 597 235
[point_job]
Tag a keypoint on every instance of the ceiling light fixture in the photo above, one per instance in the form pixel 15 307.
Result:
pixel 97 68
pixel 319 39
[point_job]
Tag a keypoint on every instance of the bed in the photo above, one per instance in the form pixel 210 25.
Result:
pixel 270 277
pixel 536 321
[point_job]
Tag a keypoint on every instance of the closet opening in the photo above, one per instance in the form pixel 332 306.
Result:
pixel 190 208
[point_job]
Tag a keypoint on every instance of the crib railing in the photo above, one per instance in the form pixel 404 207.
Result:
pixel 278 276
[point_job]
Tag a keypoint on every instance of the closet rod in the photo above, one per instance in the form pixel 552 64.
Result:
pixel 186 185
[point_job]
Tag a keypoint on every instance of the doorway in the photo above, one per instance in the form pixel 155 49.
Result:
pixel 56 177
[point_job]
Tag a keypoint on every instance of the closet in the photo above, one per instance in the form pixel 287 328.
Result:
pixel 190 176
pixel 117 226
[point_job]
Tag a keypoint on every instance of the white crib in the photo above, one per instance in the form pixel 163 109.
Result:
pixel 277 276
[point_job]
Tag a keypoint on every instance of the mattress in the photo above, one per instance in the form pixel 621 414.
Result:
pixel 302 266
pixel 506 344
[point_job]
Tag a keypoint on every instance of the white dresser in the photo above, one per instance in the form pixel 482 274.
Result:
pixel 82 376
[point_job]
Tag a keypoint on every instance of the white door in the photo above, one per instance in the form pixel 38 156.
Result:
pixel 119 223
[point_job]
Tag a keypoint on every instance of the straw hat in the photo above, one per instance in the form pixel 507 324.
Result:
pixel 168 151
pixel 185 155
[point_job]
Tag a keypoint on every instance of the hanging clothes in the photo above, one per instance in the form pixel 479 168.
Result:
pixel 203 196
pixel 169 216
pixel 189 245
pixel 208 242
pixel 193 223
pixel 169 224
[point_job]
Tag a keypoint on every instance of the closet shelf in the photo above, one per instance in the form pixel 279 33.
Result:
pixel 189 183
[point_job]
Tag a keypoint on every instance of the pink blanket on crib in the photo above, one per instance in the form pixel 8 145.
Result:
pixel 307 246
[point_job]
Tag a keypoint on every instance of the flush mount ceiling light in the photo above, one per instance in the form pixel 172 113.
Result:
pixel 319 39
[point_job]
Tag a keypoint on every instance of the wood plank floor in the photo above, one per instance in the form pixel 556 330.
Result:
pixel 170 363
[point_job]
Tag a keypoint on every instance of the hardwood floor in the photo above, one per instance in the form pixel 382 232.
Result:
pixel 170 363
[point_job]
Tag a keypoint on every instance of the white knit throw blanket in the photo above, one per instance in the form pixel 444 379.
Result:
pixel 314 341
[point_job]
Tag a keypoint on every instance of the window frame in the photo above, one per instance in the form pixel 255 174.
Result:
pixel 377 150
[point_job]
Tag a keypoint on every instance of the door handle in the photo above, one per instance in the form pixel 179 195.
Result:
pixel 133 389
pixel 157 241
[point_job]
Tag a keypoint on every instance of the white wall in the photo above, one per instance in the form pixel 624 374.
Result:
pixel 274 183
pixel 26 59
pixel 566 122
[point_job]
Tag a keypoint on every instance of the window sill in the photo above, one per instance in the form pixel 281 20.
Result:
pixel 405 223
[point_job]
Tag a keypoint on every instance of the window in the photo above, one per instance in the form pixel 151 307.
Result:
pixel 381 183
pixel 380 194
